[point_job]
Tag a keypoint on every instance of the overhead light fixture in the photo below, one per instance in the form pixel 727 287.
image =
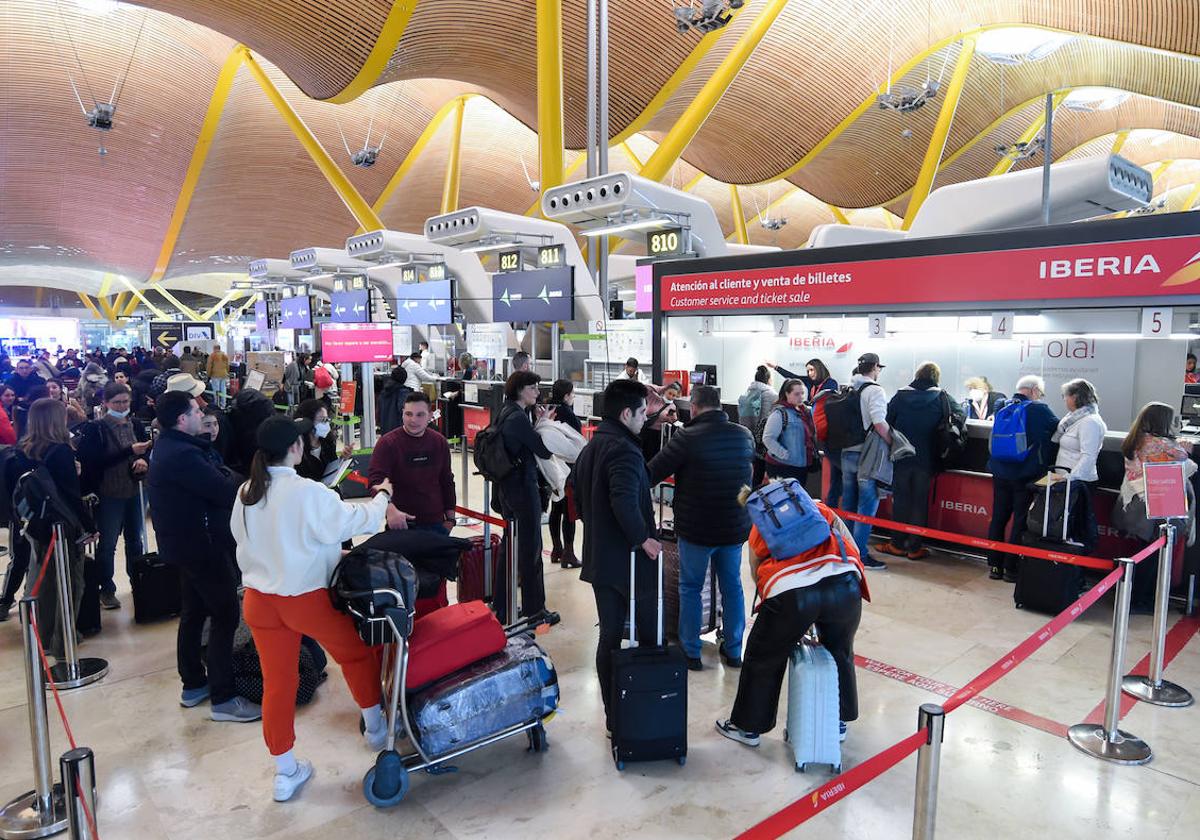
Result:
pixel 703 15
pixel 365 157
pixel 621 227
pixel 904 99
pixel 491 243
pixel 1089 99
pixel 101 116
pixel 1021 151
pixel 1019 44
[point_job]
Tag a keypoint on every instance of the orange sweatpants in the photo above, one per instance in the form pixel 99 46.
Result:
pixel 277 622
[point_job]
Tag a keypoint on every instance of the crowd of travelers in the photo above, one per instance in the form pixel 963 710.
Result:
pixel 238 490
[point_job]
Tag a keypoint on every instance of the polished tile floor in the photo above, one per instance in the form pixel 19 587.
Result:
pixel 168 772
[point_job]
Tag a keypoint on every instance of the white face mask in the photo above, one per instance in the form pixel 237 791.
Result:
pixel 977 394
pixel 120 415
pixel 321 430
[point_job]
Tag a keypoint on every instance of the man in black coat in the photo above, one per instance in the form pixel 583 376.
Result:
pixel 189 497
pixel 712 460
pixel 613 491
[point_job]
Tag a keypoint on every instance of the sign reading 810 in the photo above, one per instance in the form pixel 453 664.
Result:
pixel 665 243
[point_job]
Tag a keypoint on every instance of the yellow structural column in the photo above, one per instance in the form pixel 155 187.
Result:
pixel 739 216
pixel 1035 128
pixel 551 140
pixel 941 130
pixel 87 301
pixel 689 123
pixel 839 216
pixel 355 203
pixel 450 186
pixel 1119 141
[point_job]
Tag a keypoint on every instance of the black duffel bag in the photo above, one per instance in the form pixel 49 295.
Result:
pixel 362 585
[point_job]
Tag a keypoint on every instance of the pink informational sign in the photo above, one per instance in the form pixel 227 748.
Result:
pixel 342 343
pixel 1166 491
pixel 643 284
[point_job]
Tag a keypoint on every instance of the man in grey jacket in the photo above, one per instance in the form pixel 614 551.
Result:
pixel 858 495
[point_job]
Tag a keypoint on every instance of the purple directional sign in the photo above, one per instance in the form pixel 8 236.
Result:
pixel 425 303
pixel 262 318
pixel 295 313
pixel 351 306
pixel 546 294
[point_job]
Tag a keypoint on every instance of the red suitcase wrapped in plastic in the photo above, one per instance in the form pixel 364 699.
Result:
pixel 451 638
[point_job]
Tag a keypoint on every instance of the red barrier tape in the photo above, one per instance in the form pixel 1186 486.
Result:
pixel 979 542
pixel 482 517
pixel 37 585
pixel 834 791
pixel 62 713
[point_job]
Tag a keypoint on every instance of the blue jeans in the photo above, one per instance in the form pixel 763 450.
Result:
pixel 693 566
pixel 114 517
pixel 860 497
pixel 834 497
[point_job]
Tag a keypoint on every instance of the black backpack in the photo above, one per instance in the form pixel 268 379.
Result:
pixel 353 588
pixel 37 503
pixel 492 460
pixel 843 415
pixel 950 435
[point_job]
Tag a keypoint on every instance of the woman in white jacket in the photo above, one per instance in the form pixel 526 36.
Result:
pixel 289 532
pixel 561 434
pixel 1080 435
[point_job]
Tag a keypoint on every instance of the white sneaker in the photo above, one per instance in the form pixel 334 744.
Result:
pixel 286 786
pixel 376 740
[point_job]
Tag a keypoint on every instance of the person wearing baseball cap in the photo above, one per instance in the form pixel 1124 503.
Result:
pixel 862 495
pixel 289 532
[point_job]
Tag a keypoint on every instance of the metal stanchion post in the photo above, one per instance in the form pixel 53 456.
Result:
pixel 71 672
pixel 1153 688
pixel 1108 741
pixel 512 572
pixel 931 718
pixel 465 469
pixel 79 784
pixel 488 583
pixel 42 811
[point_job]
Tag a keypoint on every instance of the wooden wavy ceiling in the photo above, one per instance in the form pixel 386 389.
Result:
pixel 259 195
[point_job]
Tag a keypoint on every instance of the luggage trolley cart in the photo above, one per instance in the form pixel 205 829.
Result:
pixel 385 616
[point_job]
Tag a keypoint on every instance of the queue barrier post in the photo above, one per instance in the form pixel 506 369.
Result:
pixel 510 586
pixel 71 672
pixel 489 585
pixel 41 811
pixel 465 471
pixel 78 767
pixel 1153 688
pixel 932 718
pixel 1109 742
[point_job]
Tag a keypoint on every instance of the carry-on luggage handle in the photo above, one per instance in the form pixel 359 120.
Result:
pixel 142 508
pixel 633 642
pixel 1066 504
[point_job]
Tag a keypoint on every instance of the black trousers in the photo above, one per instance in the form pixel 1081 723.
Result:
pixel 1010 500
pixel 910 500
pixel 524 506
pixel 835 606
pixel 612 609
pixel 562 526
pixel 208 591
pixel 18 565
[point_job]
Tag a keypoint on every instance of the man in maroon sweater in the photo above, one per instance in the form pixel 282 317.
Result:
pixel 416 458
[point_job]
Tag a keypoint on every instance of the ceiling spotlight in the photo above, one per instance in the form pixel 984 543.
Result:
pixel 904 99
pixel 1150 209
pixel 776 223
pixel 365 157
pixel 703 15
pixel 101 116
pixel 1021 151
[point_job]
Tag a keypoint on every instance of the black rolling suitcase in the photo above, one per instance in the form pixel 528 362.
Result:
pixel 156 593
pixel 1044 585
pixel 648 707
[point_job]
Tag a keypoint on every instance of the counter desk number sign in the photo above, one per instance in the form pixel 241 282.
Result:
pixel 510 260
pixel 667 242
pixel 1002 325
pixel 436 272
pixel 551 256
pixel 408 274
pixel 877 325
pixel 1156 322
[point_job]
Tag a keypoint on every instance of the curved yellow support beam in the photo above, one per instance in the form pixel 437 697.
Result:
pixel 1119 141
pixel 838 214
pixel 208 129
pixel 381 53
pixel 337 179
pixel 431 129
pixel 941 130
pixel 1190 201
pixel 739 216
pixel 551 137
pixel 453 179
pixel 672 145
pixel 137 294
pixel 87 301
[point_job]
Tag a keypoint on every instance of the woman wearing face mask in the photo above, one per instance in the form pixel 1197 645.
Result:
pixel 981 402
pixel 320 444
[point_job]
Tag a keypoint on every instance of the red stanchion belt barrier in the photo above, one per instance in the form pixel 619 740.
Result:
pixel 833 791
pixel 482 517
pixel 979 542
pixel 37 585
pixel 841 786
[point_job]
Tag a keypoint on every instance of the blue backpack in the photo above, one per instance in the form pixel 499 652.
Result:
pixel 787 518
pixel 1009 439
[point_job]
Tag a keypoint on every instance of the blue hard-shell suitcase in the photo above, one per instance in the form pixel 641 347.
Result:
pixel 813 712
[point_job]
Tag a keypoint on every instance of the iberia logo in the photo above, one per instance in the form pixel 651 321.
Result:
pixel 815 798
pixel 845 348
pixel 1190 273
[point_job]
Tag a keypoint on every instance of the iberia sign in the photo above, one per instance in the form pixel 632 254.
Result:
pixel 1134 268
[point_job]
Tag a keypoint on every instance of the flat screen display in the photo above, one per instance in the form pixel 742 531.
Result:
pixel 345 343
pixel 352 306
pixel 295 313
pixel 542 295
pixel 262 317
pixel 425 303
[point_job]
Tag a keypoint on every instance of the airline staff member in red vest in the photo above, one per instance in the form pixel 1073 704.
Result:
pixel 825 585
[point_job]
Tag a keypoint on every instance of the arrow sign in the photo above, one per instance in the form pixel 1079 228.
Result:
pixel 166 334
pixel 504 298
pixel 538 295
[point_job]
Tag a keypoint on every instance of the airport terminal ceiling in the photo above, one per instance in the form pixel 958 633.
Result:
pixel 799 129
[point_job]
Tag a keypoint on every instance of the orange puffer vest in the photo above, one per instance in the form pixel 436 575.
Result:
pixel 771 571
